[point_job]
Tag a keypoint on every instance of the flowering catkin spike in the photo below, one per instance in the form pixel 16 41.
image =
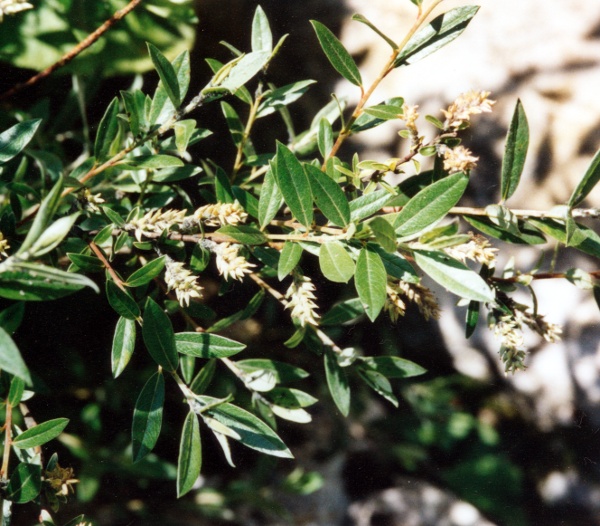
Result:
pixel 4 246
pixel 155 222
pixel 394 305
pixel 300 298
pixel 465 105
pixel 182 281
pixel 459 159
pixel 477 249
pixel 219 214
pixel 90 201
pixel 230 263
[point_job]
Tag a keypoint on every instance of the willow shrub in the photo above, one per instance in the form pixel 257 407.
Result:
pixel 380 228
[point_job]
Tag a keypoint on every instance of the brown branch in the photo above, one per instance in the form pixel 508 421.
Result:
pixel 99 254
pixel 65 59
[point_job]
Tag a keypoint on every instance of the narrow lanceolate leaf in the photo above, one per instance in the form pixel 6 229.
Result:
pixel 270 200
pixel 190 455
pixel 441 31
pixel 244 234
pixel 25 484
pixel 337 54
pixel 44 215
pixel 38 435
pixel 454 276
pixel 252 431
pixel 336 264
pixel 10 358
pixel 147 416
pixel 294 185
pixel 289 259
pixel 430 205
pixel 587 184
pixel 123 304
pixel 370 280
pixel 368 23
pixel 167 74
pixel 24 281
pixel 159 336
pixel 205 345
pixel 344 312
pixel 262 38
pixel 471 318
pixel 15 393
pixel 14 140
pixel 248 66
pixel 147 273
pixel 123 345
pixel 330 198
pixel 151 162
pixel 108 131
pixel 515 151
pixel 384 233
pixel 366 205
pixel 337 381
pixel 379 383
pixel 325 137
pixel 393 366
pixel 282 97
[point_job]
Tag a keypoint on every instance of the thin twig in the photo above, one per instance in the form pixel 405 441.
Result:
pixel 65 59
pixel 96 250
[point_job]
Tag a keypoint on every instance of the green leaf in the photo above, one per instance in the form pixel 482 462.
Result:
pixel 385 112
pixel 10 358
pixel 344 312
pixel 25 483
pixel 42 218
pixel 147 416
pixel 367 204
pixel 337 381
pixel 123 345
pixel 325 137
pixel 11 317
pixel 262 39
pixel 204 345
pixel 202 380
pixel 396 265
pixel 147 273
pixel 15 394
pixel 247 200
pixel 248 66
pixel 223 187
pixel 368 23
pixel 527 234
pixel 53 235
pixel 114 217
pixel 150 162
pixel 108 132
pixel 134 107
pixel 370 280
pixel 430 205
pixel 393 366
pixel 270 200
pixel 454 276
pixel 244 314
pixel 590 244
pixel 441 31
pixel 184 131
pixel 515 151
pixel 471 318
pixel 294 185
pixel 283 372
pixel 23 281
pixel 330 198
pixel 190 455
pixel 16 138
pixel 587 184
pixel 337 54
pixel 245 234
pixel 123 304
pixel 252 432
pixel 336 264
pixel 159 336
pixel 379 383
pixel 366 121
pixel 167 74
pixel 38 435
pixel 290 398
pixel 282 97
pixel 384 233
pixel 289 259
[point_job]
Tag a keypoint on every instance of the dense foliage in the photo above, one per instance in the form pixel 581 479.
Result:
pixel 233 284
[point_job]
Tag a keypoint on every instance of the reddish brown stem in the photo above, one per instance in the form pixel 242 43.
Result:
pixel 65 59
